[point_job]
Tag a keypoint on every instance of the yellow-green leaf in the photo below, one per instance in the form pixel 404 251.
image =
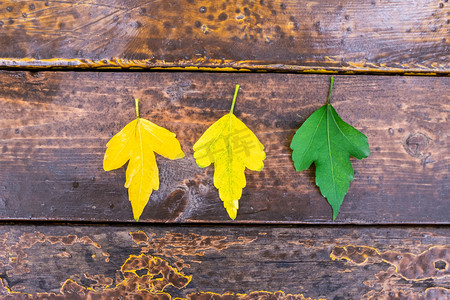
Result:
pixel 136 143
pixel 232 147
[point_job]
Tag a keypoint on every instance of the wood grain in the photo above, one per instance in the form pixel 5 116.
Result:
pixel 364 36
pixel 54 127
pixel 97 262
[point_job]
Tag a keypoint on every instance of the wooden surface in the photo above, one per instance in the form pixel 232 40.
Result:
pixel 54 127
pixel 373 36
pixel 66 262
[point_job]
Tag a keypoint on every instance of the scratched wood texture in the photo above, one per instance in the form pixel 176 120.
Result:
pixel 349 36
pixel 115 262
pixel 54 127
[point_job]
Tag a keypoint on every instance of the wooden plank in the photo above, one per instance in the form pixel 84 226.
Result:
pixel 290 35
pixel 54 127
pixel 104 262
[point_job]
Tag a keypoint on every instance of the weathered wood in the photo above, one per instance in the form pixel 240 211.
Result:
pixel 320 36
pixel 54 127
pixel 63 262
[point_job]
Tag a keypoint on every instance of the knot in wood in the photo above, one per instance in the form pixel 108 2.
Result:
pixel 416 144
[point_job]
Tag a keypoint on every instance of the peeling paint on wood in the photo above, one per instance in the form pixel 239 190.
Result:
pixel 272 263
pixel 175 245
pixel 17 257
pixel 211 66
pixel 410 266
pixel 430 265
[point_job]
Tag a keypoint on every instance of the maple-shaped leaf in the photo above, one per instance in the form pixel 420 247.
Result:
pixel 328 142
pixel 232 147
pixel 136 143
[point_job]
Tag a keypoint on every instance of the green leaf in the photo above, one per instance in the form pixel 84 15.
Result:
pixel 327 141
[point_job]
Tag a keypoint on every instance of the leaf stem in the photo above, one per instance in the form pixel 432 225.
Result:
pixel 331 88
pixel 136 100
pixel 234 98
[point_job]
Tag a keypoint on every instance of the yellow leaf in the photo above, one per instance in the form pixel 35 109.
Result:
pixel 136 143
pixel 232 147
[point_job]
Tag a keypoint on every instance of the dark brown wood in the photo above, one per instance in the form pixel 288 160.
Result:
pixel 54 127
pixel 66 262
pixel 290 35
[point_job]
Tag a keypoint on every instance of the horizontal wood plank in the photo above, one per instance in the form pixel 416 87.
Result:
pixel 104 262
pixel 289 35
pixel 54 127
